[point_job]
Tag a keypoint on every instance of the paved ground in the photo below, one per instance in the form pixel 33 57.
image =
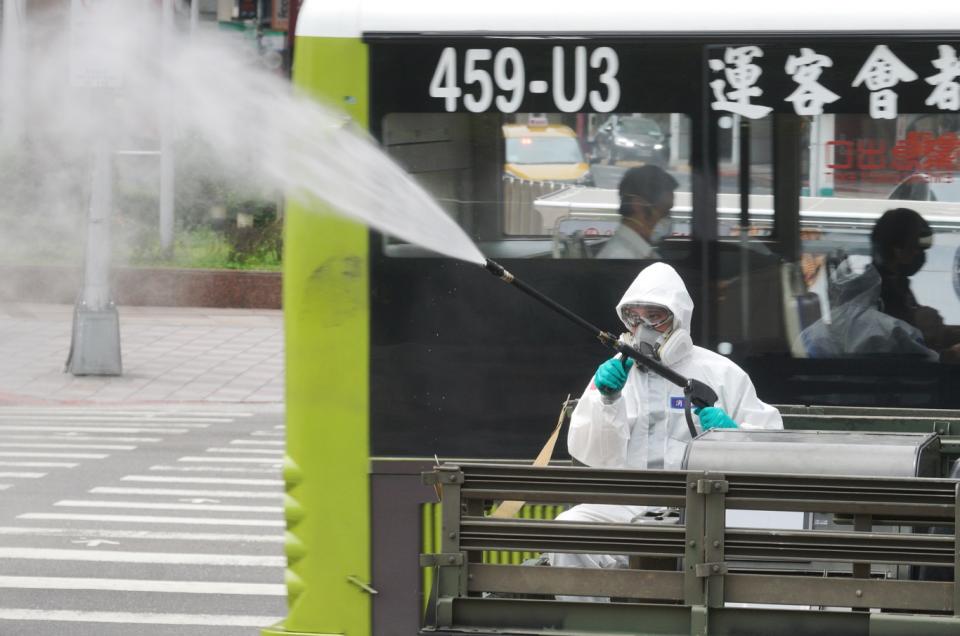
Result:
pixel 154 520
pixel 169 355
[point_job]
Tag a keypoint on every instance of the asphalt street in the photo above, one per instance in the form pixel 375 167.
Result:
pixel 150 520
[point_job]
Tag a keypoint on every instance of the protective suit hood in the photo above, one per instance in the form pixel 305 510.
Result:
pixel 660 284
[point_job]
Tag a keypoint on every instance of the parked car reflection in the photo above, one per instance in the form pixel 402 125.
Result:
pixel 630 137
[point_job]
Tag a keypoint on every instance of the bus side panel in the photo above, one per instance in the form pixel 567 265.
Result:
pixel 326 314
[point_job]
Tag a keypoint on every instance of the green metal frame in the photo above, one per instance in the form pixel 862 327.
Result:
pixel 326 319
pixel 719 564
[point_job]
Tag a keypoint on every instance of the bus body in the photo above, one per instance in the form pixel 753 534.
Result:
pixel 787 138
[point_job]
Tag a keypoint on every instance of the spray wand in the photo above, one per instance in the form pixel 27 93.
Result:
pixel 695 392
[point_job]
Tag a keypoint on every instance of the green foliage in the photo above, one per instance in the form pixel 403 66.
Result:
pixel 204 248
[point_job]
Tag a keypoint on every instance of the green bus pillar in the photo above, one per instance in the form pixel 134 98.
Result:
pixel 326 317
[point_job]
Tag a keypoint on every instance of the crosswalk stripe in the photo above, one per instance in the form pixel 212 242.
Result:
pixel 140 618
pixel 267 434
pixel 41 464
pixel 81 446
pixel 258 442
pixel 251 451
pixel 5 486
pixel 170 558
pixel 105 490
pixel 254 460
pixel 217 469
pixel 203 480
pixel 150 535
pixel 96 429
pixel 107 419
pixel 200 521
pixel 63 410
pixel 141 585
pixel 12 475
pixel 55 455
pixel 72 503
pixel 81 438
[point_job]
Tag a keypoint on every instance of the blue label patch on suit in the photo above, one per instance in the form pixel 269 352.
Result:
pixel 677 403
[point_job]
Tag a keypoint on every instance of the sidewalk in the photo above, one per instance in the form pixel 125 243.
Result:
pixel 170 354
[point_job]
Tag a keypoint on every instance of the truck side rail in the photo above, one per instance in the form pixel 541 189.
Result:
pixel 718 565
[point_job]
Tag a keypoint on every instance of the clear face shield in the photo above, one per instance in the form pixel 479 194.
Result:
pixel 647 315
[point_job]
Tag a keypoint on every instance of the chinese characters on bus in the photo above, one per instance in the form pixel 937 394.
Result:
pixel 917 152
pixel 882 71
pixel 805 69
pixel 742 75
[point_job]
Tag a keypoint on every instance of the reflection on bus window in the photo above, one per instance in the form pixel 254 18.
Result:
pixel 539 185
pixel 898 294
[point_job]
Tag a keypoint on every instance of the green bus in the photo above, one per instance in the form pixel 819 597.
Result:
pixel 789 129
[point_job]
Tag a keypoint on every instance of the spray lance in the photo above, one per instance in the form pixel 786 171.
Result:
pixel 695 392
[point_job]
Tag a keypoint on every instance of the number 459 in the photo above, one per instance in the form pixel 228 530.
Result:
pixel 508 74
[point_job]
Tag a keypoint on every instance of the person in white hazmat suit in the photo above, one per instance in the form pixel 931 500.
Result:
pixel 631 418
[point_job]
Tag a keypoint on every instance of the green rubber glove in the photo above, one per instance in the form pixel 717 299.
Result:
pixel 612 375
pixel 714 417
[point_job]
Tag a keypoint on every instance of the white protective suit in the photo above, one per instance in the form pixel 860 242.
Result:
pixel 644 426
pixel 857 327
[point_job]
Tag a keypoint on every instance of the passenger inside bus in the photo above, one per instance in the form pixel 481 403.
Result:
pixel 900 240
pixel 646 198
pixel 874 312
pixel 631 418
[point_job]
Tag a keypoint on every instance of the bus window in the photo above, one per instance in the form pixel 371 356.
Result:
pixel 539 185
pixel 886 282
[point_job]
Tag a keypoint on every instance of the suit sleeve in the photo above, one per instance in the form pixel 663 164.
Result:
pixel 599 431
pixel 745 408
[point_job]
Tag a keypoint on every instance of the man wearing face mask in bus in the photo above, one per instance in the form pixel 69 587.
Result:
pixel 900 240
pixel 632 418
pixel 646 198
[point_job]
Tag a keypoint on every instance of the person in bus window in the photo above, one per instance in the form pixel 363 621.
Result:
pixel 629 417
pixel 646 198
pixel 899 241
pixel 856 326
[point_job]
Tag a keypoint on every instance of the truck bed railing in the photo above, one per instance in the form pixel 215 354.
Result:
pixel 689 577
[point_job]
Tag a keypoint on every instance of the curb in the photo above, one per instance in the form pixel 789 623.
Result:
pixel 147 286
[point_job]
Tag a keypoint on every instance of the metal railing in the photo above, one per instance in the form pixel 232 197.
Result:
pixel 720 567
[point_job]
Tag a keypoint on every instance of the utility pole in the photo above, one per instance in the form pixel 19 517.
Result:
pixel 167 175
pixel 11 72
pixel 95 343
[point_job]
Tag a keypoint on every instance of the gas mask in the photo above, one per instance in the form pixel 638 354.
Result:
pixel 676 345
pixel 669 347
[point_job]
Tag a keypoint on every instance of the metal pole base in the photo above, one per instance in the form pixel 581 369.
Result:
pixel 95 347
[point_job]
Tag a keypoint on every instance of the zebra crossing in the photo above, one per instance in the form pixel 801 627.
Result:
pixel 168 519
